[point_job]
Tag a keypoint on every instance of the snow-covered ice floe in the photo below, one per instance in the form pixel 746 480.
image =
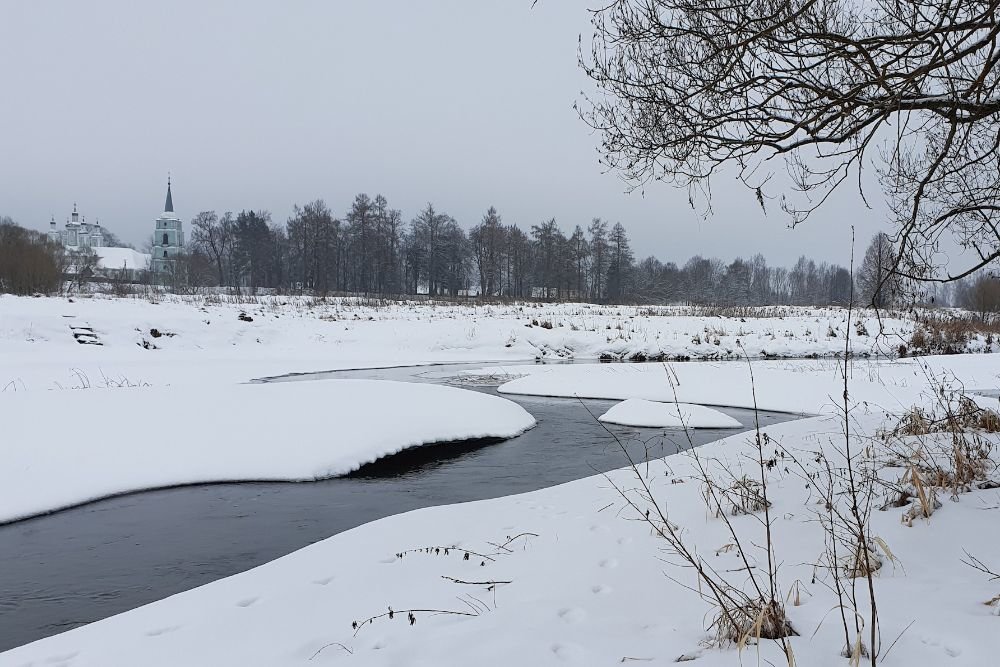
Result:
pixel 653 414
pixel 64 448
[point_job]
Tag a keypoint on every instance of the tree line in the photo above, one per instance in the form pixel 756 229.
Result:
pixel 29 262
pixel 372 250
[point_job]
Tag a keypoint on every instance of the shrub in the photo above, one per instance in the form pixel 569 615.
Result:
pixel 29 262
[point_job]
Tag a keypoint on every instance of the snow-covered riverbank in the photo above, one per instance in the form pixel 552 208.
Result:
pixel 572 575
pixel 560 575
pixel 166 436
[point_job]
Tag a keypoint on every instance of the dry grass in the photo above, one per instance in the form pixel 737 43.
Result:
pixel 749 621
pixel 744 496
pixel 944 448
pixel 951 333
pixel 861 562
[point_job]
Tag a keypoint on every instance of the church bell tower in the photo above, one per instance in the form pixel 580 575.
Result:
pixel 168 237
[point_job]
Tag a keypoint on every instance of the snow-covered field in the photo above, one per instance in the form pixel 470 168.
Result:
pixel 572 574
pixel 194 340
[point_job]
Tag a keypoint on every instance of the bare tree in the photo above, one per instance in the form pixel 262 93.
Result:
pixel 876 280
pixel 29 262
pixel 579 251
pixel 213 236
pixel 487 240
pixel 598 230
pixel 83 264
pixel 828 87
pixel 983 297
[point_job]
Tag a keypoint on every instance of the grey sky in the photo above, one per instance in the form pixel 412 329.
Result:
pixel 253 104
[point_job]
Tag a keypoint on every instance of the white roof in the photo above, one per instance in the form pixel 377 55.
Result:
pixel 119 258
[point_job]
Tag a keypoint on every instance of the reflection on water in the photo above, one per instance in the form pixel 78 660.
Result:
pixel 80 565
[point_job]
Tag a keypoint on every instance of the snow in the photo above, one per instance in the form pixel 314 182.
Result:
pixel 65 448
pixel 652 414
pixel 580 578
pixel 203 340
pixel 586 588
pixel 721 384
pixel 122 258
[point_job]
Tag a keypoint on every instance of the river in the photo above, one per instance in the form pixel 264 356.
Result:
pixel 83 564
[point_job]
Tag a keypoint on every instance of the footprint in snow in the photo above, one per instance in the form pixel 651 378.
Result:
pixel 573 614
pixel 247 602
pixel 609 563
pixel 162 631
pixel 573 652
pixel 950 651
pixel 323 582
pixel 601 589
pixel 63 658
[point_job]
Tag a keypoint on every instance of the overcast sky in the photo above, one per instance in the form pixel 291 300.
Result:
pixel 263 104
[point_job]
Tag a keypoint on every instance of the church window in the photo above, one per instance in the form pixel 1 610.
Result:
pixel 165 242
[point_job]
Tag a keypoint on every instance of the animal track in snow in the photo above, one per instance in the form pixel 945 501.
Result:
pixel 573 614
pixel 247 602
pixel 950 651
pixel 609 563
pixel 568 651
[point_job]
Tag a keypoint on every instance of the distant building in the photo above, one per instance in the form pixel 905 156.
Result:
pixel 168 239
pixel 78 234
pixel 555 292
pixel 121 263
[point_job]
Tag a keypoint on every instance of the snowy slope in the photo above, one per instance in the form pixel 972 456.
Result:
pixel 64 448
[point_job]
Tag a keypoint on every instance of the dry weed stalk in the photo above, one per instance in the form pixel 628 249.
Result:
pixel 741 617
pixel 845 479
pixel 941 449
pixel 743 496
pixel 977 564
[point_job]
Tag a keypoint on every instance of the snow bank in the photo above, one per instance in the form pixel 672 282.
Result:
pixel 805 387
pixel 652 414
pixel 64 448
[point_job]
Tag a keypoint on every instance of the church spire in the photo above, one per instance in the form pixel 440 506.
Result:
pixel 169 206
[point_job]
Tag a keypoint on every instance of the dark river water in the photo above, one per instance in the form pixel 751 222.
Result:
pixel 80 565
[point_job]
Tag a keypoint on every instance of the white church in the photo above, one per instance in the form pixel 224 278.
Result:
pixel 168 243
